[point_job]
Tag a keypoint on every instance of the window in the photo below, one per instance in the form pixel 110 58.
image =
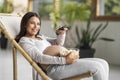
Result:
pixel 106 10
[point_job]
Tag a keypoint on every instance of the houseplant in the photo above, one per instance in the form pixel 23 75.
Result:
pixel 78 11
pixel 69 13
pixel 88 37
pixel 74 11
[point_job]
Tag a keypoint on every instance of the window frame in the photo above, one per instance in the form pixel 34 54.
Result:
pixel 97 17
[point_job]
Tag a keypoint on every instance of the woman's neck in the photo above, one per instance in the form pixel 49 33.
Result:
pixel 33 37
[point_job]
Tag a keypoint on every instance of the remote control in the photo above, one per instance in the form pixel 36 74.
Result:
pixel 62 28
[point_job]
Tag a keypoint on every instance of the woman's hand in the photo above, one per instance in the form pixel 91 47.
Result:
pixel 71 58
pixel 61 31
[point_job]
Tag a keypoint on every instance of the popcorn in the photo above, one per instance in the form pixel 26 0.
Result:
pixel 66 52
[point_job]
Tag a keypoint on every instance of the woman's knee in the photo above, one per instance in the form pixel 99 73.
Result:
pixel 102 70
pixel 100 61
pixel 103 62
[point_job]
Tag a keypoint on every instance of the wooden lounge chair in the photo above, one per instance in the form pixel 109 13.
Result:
pixel 10 35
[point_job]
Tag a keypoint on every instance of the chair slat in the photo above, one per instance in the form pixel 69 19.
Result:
pixel 14 63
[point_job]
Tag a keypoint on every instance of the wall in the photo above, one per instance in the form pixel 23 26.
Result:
pixel 106 50
pixel 46 28
pixel 110 50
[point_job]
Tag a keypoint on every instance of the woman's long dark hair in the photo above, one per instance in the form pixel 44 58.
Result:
pixel 23 24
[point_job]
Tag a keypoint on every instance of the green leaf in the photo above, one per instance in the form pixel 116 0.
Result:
pixel 77 33
pixel 106 39
pixel 93 37
pixel 99 31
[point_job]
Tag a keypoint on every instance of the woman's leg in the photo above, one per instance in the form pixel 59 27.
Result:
pixel 58 72
pixel 104 64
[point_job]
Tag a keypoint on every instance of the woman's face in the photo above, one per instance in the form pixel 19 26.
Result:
pixel 33 26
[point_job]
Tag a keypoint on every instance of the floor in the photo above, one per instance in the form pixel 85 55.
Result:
pixel 24 68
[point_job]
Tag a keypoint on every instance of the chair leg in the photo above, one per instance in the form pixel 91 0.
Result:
pixel 14 63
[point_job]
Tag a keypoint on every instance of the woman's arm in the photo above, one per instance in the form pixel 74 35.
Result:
pixel 57 41
pixel 61 34
pixel 38 56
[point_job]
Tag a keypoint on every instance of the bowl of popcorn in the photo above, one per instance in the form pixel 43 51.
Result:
pixel 65 52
